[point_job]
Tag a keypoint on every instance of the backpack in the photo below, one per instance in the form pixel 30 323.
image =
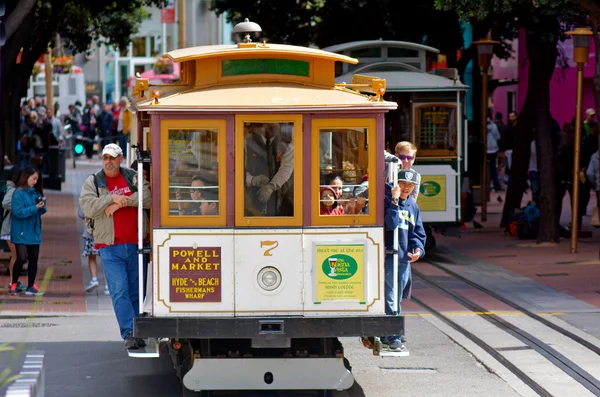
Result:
pixel 89 222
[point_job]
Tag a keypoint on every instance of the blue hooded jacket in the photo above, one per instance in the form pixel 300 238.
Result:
pixel 406 217
pixel 26 227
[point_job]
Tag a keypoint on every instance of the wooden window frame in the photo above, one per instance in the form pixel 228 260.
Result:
pixel 270 221
pixel 186 220
pixel 427 152
pixel 353 219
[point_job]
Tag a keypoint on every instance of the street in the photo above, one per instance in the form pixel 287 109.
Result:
pixel 84 356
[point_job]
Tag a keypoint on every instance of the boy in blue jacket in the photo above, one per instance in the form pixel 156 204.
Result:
pixel 402 213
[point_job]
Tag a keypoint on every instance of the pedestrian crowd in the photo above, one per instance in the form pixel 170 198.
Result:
pixel 500 144
pixel 95 123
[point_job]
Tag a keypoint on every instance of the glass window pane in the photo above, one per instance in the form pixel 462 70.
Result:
pixel 268 169
pixel 344 186
pixel 436 127
pixel 193 170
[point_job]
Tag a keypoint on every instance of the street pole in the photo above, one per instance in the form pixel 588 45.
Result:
pixel 581 47
pixel 485 184
pixel 49 90
pixel 577 151
pixel 181 13
pixel 485 51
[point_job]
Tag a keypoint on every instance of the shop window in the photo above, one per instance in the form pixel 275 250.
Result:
pixel 194 192
pixel 345 160
pixel 435 129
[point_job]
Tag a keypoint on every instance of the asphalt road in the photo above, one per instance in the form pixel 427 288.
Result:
pixel 84 357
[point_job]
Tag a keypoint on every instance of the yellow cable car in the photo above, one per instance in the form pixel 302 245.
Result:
pixel 267 236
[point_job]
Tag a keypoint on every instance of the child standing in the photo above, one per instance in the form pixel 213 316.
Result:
pixel 13 178
pixel 28 205
pixel 91 253
pixel 402 213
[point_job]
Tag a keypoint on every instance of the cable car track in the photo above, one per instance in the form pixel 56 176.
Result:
pixel 516 306
pixel 559 360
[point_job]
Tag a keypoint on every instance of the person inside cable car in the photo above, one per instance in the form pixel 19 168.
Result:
pixel 269 166
pixel 203 190
pixel 329 203
pixel 350 203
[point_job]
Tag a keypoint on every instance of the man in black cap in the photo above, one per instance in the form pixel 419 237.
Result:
pixel 402 213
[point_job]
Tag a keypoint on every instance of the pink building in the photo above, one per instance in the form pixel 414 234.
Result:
pixel 563 85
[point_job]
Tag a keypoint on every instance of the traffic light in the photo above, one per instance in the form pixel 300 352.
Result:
pixel 79 146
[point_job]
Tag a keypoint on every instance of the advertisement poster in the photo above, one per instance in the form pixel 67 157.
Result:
pixel 340 273
pixel 432 193
pixel 195 274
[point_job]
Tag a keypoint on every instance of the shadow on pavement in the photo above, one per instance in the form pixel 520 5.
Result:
pixel 104 369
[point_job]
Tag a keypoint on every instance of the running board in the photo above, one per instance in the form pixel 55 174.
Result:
pixel 387 353
pixel 268 374
pixel 151 350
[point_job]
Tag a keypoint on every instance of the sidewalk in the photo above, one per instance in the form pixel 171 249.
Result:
pixel 61 252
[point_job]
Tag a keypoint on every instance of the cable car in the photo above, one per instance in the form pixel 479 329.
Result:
pixel 430 114
pixel 267 236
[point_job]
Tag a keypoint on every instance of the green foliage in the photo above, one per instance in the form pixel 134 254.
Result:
pixel 282 21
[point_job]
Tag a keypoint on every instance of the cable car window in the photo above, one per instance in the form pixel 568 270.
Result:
pixel 268 169
pixel 193 172
pixel 344 170
pixel 435 129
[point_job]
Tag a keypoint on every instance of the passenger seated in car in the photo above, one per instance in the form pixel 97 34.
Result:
pixel 329 204
pixel 203 190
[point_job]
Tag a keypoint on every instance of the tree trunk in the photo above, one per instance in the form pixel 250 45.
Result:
pixel 16 76
pixel 541 53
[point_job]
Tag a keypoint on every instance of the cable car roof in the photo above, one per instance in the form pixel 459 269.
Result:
pixel 264 96
pixel 192 53
pixel 409 81
pixel 353 45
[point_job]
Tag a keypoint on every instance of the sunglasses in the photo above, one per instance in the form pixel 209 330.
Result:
pixel 403 157
pixel 195 191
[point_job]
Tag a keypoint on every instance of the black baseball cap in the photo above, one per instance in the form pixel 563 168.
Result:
pixel 408 176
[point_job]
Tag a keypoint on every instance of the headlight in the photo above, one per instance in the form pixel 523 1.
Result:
pixel 269 278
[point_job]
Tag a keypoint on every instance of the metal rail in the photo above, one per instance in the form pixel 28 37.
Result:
pixel 559 360
pixel 516 306
pixel 539 389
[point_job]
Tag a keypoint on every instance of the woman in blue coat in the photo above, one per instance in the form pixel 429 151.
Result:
pixel 28 206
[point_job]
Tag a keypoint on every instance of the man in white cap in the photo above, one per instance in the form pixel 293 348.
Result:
pixel 109 200
pixel 589 121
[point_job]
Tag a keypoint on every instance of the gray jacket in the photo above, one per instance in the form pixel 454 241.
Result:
pixel 592 171
pixel 94 201
pixel 7 208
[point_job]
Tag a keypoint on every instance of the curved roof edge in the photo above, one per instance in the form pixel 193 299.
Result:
pixel 387 43
pixel 400 65
pixel 191 53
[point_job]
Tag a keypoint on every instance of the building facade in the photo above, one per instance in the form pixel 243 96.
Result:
pixel 108 71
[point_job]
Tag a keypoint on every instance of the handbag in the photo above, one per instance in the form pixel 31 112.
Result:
pixel 596 217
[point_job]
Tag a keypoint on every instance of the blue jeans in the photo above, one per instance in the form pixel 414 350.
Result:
pixel 534 180
pixel 121 270
pixel 390 294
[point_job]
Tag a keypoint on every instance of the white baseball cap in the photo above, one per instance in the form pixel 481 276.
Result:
pixel 112 149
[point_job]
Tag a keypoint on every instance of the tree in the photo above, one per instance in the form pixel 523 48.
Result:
pixel 543 22
pixel 30 27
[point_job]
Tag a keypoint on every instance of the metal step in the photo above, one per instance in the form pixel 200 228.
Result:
pixel 151 350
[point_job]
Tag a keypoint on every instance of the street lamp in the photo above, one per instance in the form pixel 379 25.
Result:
pixel 485 50
pixel 581 49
